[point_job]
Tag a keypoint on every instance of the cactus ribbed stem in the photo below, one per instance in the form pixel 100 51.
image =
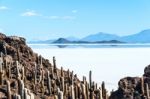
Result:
pixel 49 83
pixel 90 83
pixel 83 91
pixel 147 91
pixel 21 88
pixel 8 90
pixel 54 65
pixel 142 85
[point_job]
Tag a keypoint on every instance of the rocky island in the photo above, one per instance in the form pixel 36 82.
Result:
pixel 27 75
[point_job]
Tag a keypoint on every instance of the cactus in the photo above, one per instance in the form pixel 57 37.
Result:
pixel 31 95
pixel 72 92
pixel 98 93
pixel 142 85
pixel 62 83
pixel 1 72
pixel 72 78
pixel 16 96
pixel 21 88
pixel 49 83
pixel 83 91
pixel 8 90
pixel 4 46
pixel 84 80
pixel 147 91
pixel 76 92
pixel 90 84
pixel 55 97
pixel 18 54
pixel 87 90
pixel 23 74
pixel 60 94
pixel 62 72
pixel 54 65
pixel 9 71
pixel 41 61
pixel 35 74
pixel 17 70
pixel 104 95
pixel 42 83
pixel 26 95
pixel 66 89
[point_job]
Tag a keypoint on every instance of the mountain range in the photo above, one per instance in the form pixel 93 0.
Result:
pixel 101 37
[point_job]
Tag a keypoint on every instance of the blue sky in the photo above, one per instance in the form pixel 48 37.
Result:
pixel 48 19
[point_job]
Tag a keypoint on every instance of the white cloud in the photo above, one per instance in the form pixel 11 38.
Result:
pixel 74 11
pixel 3 8
pixel 30 13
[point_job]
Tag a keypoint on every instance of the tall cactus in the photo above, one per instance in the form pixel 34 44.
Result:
pixel 17 70
pixel 54 65
pixel 62 72
pixel 72 92
pixel 84 95
pixel 42 83
pixel 1 71
pixel 142 85
pixel 60 94
pixel 76 92
pixel 23 74
pixel 21 88
pixel 62 83
pixel 35 74
pixel 103 90
pixel 49 83
pixel 147 91
pixel 90 84
pixel 18 54
pixel 8 90
pixel 16 96
pixel 87 90
pixel 4 46
pixel 9 71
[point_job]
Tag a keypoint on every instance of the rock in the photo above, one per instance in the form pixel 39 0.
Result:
pixel 131 87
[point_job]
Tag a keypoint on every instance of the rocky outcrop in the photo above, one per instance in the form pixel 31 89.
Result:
pixel 134 87
pixel 27 75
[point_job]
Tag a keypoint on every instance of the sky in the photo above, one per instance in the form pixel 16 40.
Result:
pixel 49 19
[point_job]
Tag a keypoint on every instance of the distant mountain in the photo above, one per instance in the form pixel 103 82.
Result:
pixel 61 41
pixel 141 37
pixel 64 41
pixel 41 42
pixel 100 37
